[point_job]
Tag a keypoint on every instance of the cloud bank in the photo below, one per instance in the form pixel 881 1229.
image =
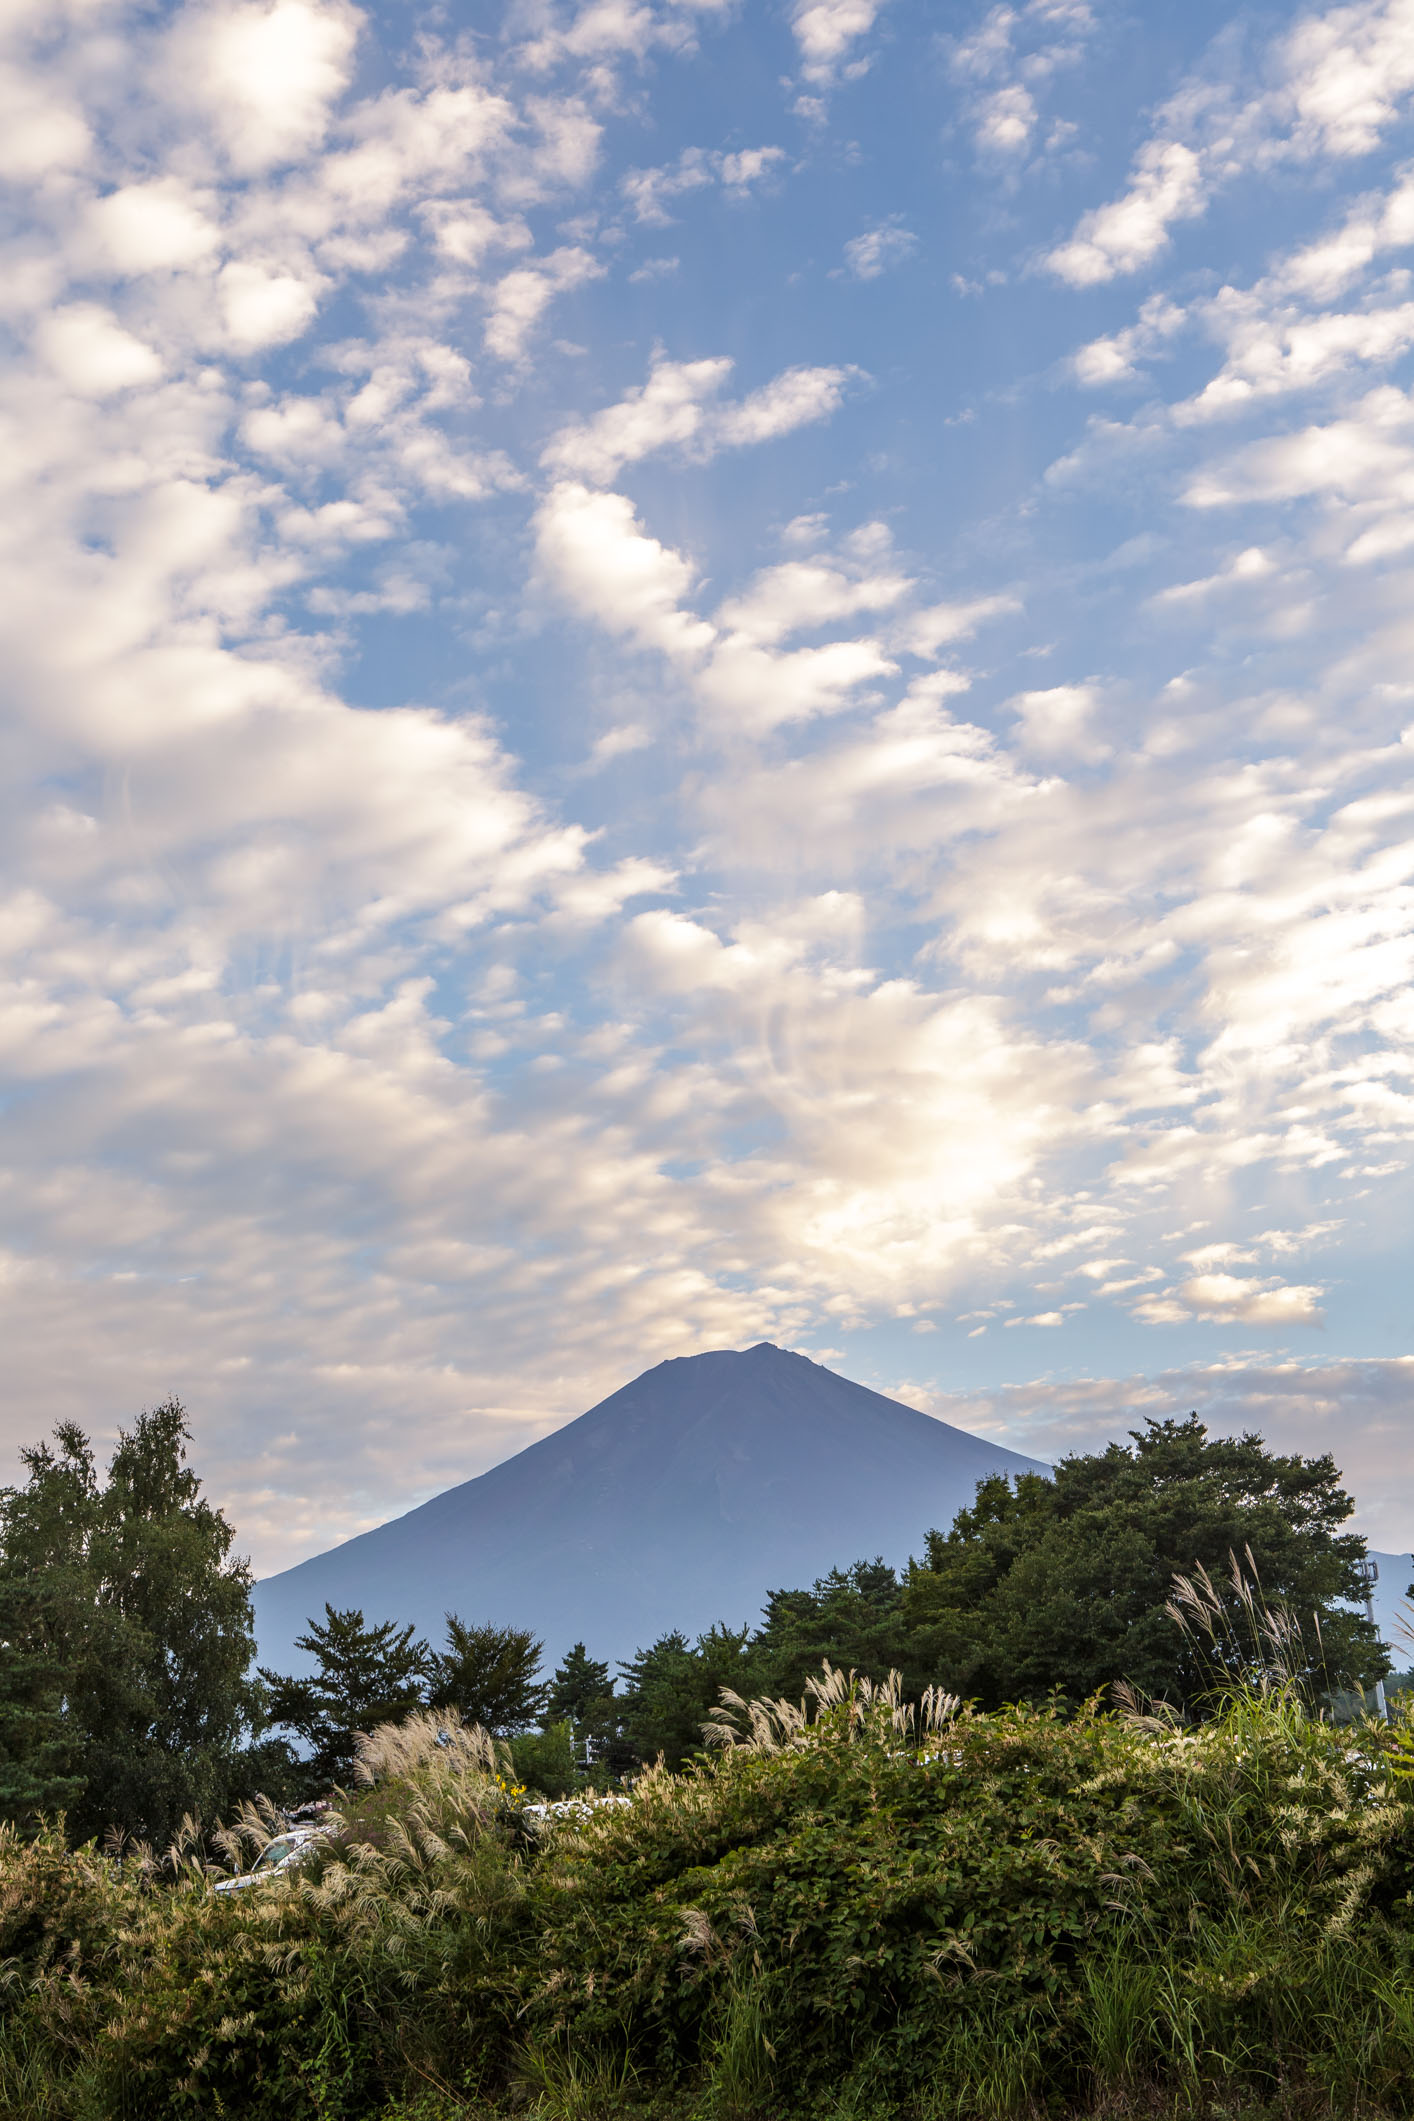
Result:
pixel 855 790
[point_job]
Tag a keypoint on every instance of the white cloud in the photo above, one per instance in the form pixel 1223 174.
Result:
pixel 265 73
pixel 1271 355
pixel 796 398
pixel 675 408
pixel 654 269
pixel 264 308
pixel 878 249
pixel 42 129
pixel 1242 1300
pixel 92 352
pixel 1338 82
pixel 465 232
pixel 932 629
pixel 520 299
pixel 759 689
pixel 826 31
pixel 616 742
pixel 806 594
pixel 602 30
pixel 669 408
pixel 1116 359
pixel 647 190
pixel 1166 186
pixel 1005 67
pixel 152 227
pixel 1367 456
pixel 1250 565
pixel 1059 721
pixel 593 549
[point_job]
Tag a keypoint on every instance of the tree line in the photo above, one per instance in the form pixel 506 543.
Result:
pixel 129 1694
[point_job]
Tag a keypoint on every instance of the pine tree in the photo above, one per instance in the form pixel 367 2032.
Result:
pixel 579 1684
pixel 671 1688
pixel 852 1616
pixel 582 1693
pixel 366 1675
pixel 47 1616
pixel 490 1675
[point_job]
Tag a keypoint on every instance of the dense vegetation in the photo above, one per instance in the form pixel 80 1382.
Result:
pixel 1159 1878
pixel 1045 1587
pixel 127 1698
pixel 977 1914
pixel 126 1694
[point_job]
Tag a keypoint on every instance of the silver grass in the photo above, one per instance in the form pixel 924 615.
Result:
pixel 850 1702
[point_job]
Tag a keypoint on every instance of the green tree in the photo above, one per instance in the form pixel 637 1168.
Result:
pixel 545 1760
pixel 580 1683
pixel 582 1693
pixel 852 1616
pixel 366 1675
pixel 128 1631
pixel 48 1617
pixel 671 1688
pixel 491 1675
pixel 1064 1583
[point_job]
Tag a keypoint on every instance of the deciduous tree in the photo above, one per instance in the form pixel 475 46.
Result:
pixel 1064 1583
pixel 126 1694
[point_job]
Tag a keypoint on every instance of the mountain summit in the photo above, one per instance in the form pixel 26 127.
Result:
pixel 680 1500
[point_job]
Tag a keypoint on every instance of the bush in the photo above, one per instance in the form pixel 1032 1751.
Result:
pixel 843 1912
pixel 544 1760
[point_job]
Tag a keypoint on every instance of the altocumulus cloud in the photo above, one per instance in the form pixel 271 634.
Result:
pixel 559 813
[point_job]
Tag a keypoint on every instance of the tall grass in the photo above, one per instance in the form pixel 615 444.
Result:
pixel 853 1908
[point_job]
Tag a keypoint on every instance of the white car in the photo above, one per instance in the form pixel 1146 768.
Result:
pixel 277 1859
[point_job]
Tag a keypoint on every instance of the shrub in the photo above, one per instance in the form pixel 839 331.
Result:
pixel 847 1909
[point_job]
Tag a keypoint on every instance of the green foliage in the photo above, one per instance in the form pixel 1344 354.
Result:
pixel 852 1616
pixel 1064 1584
pixel 671 1688
pixel 840 1916
pixel 366 1675
pixel 490 1676
pixel 124 1694
pixel 582 1691
pixel 545 1760
pixel 580 1684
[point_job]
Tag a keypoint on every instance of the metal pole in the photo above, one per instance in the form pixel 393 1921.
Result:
pixel 1370 1570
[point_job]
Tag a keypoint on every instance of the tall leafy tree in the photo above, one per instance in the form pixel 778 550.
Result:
pixel 1064 1583
pixel 165 1564
pixel 365 1674
pixel 129 1626
pixel 49 1625
pixel 490 1675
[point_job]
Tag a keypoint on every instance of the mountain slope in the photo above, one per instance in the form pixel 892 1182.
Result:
pixel 680 1500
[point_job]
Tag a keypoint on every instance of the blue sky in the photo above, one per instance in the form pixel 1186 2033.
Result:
pixel 681 673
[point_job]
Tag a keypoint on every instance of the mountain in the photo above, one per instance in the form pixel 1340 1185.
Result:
pixel 678 1501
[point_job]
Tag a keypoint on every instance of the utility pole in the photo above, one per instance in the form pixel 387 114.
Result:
pixel 1370 1570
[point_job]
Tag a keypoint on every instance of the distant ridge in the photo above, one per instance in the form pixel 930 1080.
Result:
pixel 680 1500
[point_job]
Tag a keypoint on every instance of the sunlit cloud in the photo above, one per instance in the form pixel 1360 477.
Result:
pixel 576 795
